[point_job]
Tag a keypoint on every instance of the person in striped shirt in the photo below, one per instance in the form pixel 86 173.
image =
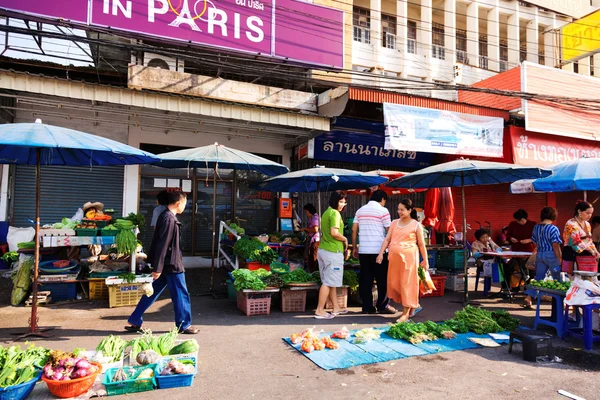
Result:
pixel 371 224
pixel 547 240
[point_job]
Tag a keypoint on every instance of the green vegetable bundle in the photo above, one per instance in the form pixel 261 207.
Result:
pixel 506 321
pixel 248 248
pixel 10 257
pixel 456 325
pixel 298 276
pixel 267 256
pixel 124 224
pixel 18 366
pixel 21 280
pixel 478 320
pixel 26 245
pixel 162 344
pixel 126 242
pixel 261 273
pixel 138 220
pixel 316 277
pixel 246 279
pixel 112 347
pixel 414 333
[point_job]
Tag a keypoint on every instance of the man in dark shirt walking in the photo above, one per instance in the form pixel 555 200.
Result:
pixel 167 268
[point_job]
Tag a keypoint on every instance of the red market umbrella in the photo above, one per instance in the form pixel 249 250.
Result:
pixel 391 175
pixel 431 207
pixel 445 223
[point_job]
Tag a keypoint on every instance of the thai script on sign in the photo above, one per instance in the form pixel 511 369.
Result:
pixel 550 154
pixel 377 151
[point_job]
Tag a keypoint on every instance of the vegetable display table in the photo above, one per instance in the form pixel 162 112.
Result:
pixel 502 258
pixel 586 333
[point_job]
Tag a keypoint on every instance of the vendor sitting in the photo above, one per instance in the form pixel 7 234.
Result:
pixel 483 244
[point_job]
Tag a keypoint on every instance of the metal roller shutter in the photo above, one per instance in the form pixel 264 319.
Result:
pixel 494 203
pixel 63 191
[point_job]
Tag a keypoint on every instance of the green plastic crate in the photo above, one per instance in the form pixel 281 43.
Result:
pixel 86 232
pixel 131 385
pixel 450 260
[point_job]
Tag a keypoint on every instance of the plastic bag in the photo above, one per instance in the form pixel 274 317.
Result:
pixel 21 280
pixel 531 262
pixel 488 268
pixel 426 285
pixel 78 215
pixel 18 235
pixel 583 292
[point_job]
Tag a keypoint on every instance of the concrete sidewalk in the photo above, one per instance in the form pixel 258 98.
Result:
pixel 244 357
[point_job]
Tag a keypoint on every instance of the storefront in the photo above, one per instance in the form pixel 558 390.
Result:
pixel 134 188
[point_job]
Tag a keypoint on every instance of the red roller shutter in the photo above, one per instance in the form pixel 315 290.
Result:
pixel 494 203
pixel 565 205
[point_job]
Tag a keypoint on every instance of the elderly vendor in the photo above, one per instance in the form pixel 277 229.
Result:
pixel 483 244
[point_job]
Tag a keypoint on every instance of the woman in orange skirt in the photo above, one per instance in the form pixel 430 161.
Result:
pixel 405 240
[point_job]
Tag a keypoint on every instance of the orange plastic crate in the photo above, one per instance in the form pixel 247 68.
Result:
pixel 440 283
pixel 254 303
pixel 293 300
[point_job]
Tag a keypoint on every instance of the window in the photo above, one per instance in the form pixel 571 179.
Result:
pixel 461 46
pixel 483 51
pixel 388 31
pixel 523 53
pixel 592 66
pixel 411 42
pixel 438 50
pixel 541 58
pixel 361 21
pixel 576 67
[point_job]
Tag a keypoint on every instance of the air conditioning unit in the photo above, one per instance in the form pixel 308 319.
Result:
pixel 160 61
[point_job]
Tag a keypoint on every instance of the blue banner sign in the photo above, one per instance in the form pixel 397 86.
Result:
pixel 364 148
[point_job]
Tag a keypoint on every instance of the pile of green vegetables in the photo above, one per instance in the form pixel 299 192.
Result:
pixel 162 345
pixel 416 333
pixel 65 223
pixel 470 318
pixel 246 279
pixel 253 249
pixel 298 276
pixel 112 348
pixel 19 366
pixel 350 279
pixel 138 220
pixel 25 245
pixel 10 257
pixel 238 229
pixel 267 256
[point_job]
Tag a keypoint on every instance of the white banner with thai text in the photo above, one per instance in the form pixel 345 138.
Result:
pixel 439 131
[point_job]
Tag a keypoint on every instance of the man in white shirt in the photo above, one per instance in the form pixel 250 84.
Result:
pixel 371 224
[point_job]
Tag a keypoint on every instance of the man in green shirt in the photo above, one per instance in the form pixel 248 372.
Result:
pixel 332 249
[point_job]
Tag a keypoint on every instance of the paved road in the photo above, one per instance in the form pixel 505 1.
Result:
pixel 244 357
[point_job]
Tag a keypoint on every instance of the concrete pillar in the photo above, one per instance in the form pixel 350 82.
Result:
pixel 514 42
pixel 533 36
pixel 493 37
pixel 376 39
pixel 596 65
pixel 402 31
pixel 424 35
pixel 473 33
pixel 552 44
pixel 450 30
pixel 584 66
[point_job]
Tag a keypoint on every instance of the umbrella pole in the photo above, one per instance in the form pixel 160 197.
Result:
pixel 34 330
pixel 464 213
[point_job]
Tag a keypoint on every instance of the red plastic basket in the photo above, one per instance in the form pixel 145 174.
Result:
pixel 293 300
pixel 440 282
pixel 254 303
pixel 72 388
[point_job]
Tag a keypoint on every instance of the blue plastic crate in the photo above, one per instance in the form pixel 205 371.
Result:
pixel 174 381
pixel 431 258
pixel 61 291
pixel 19 392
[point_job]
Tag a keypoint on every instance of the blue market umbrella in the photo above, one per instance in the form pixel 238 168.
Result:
pixel 218 156
pixel 467 173
pixel 320 179
pixel 581 174
pixel 39 144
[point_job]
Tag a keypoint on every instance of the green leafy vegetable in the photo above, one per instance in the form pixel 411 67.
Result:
pixel 10 257
pixel 248 248
pixel 128 277
pixel 298 276
pixel 126 242
pixel 478 320
pixel 273 281
pixel 506 321
pixel 267 256
pixel 261 272
pixel 112 347
pixel 245 279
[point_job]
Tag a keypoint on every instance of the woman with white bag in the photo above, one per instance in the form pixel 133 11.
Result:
pixel 546 238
